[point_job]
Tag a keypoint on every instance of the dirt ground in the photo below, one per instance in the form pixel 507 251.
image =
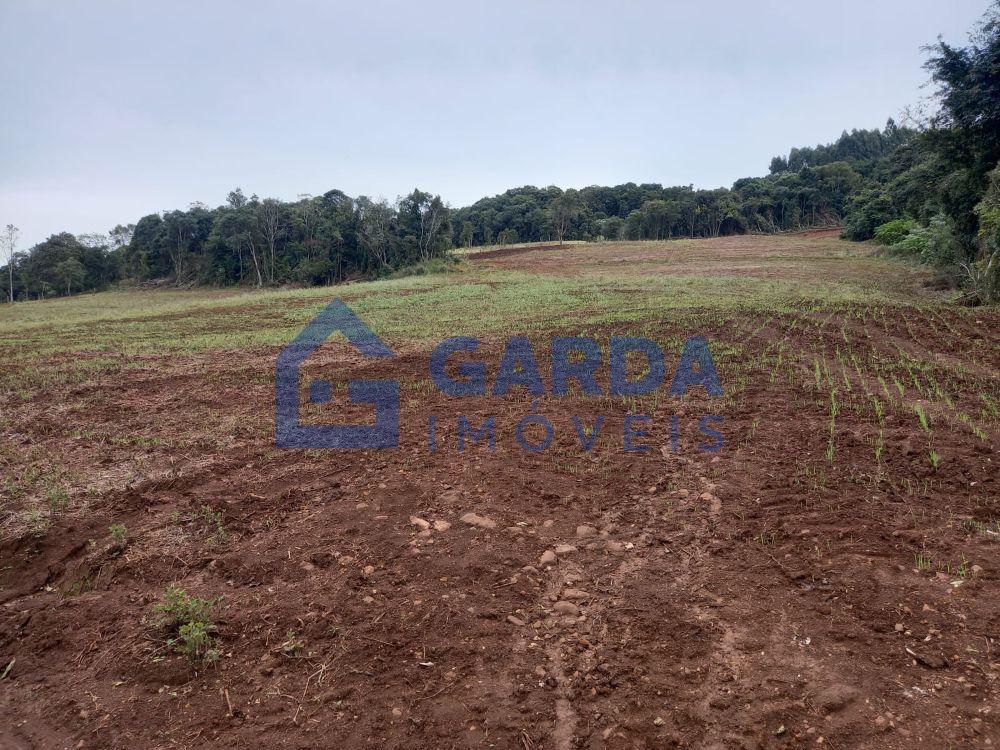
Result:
pixel 800 587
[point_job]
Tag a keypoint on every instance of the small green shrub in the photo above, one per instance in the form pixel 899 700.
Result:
pixel 988 213
pixel 943 246
pixel 982 278
pixel 446 264
pixel 913 244
pixel 893 231
pixel 119 535
pixel 195 641
pixel 213 524
pixel 178 608
pixel 293 645
pixel 189 625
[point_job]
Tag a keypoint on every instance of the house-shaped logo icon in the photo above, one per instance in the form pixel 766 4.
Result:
pixel 382 394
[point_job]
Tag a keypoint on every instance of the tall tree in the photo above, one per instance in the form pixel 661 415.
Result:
pixel 268 215
pixel 121 235
pixel 563 210
pixel 70 272
pixel 468 232
pixel 180 229
pixel 10 246
pixel 426 219
pixel 965 131
pixel 236 198
pixel 374 229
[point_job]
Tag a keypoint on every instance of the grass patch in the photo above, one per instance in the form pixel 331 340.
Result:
pixel 475 298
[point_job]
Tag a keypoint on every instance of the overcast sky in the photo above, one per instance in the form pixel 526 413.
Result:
pixel 110 110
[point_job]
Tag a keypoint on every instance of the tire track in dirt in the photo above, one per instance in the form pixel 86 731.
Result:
pixel 636 552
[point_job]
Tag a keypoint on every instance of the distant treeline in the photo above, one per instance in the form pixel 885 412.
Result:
pixel 814 193
pixel 940 179
pixel 332 237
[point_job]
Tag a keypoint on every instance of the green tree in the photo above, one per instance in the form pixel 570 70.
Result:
pixel 563 209
pixel 468 232
pixel 375 230
pixel 426 224
pixel 965 132
pixel 71 273
pixel 657 217
pixel 869 209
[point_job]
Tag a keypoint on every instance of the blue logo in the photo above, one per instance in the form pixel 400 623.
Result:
pixel 382 394
pixel 573 358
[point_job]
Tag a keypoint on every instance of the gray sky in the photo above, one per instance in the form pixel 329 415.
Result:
pixel 116 109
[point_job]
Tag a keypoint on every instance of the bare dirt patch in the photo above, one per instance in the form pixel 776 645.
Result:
pixel 805 257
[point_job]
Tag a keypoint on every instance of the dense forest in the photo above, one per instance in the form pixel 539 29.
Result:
pixel 813 192
pixel 931 191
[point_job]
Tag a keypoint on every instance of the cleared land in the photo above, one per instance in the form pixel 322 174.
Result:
pixel 830 573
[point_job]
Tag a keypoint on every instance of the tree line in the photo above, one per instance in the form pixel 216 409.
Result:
pixel 814 193
pixel 939 178
pixel 248 240
pixel 937 197
pixel 333 237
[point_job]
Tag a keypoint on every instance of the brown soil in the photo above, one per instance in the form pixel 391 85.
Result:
pixel 803 257
pixel 507 252
pixel 760 597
